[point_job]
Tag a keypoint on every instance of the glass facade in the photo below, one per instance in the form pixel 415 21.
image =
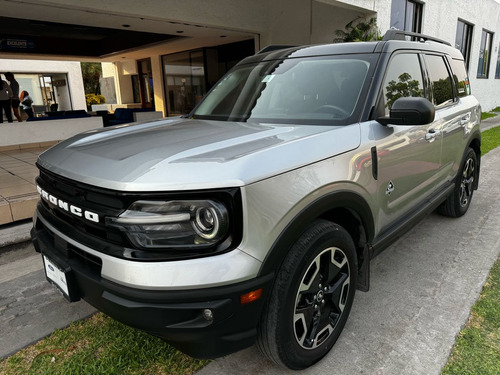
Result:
pixel 46 90
pixel 189 75
pixel 184 76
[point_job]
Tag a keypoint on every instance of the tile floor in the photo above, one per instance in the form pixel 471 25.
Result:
pixel 18 195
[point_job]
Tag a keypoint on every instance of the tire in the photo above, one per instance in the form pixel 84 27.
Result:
pixel 458 201
pixel 311 298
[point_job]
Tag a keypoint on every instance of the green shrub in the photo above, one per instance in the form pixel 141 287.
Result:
pixel 94 99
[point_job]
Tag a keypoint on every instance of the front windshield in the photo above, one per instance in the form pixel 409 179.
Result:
pixel 314 90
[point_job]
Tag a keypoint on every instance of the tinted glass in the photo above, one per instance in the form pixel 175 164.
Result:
pixel 314 90
pixel 403 79
pixel 460 78
pixel 440 79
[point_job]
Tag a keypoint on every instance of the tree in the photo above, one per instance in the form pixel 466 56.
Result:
pixel 91 72
pixel 359 32
pixel 404 88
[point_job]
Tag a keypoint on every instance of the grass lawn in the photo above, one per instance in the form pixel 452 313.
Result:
pixel 497 109
pixel 485 115
pixel 477 349
pixel 490 139
pixel 100 345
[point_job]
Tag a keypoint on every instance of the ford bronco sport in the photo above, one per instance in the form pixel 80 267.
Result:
pixel 254 217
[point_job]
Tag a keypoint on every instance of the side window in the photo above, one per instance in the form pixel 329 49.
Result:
pixel 460 78
pixel 403 78
pixel 442 89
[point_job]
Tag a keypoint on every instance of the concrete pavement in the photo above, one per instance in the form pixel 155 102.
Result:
pixel 30 307
pixel 422 290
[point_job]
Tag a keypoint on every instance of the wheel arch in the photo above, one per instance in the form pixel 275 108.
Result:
pixel 344 208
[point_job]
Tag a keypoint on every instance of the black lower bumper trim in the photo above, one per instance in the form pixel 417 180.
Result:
pixel 177 316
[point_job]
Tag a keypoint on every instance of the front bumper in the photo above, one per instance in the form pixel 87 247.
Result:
pixel 174 315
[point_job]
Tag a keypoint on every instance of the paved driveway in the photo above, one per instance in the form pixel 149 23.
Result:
pixel 422 289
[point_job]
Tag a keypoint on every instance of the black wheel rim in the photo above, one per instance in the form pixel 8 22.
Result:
pixel 321 298
pixel 466 185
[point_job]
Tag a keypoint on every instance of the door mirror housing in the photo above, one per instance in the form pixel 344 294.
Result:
pixel 410 111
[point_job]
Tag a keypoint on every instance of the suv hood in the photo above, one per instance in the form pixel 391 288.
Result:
pixel 184 154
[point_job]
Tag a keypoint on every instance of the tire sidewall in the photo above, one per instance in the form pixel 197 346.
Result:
pixel 293 354
pixel 461 210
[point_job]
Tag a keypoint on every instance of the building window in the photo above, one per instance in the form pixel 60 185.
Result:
pixel 463 40
pixel 497 71
pixel 407 15
pixel 483 66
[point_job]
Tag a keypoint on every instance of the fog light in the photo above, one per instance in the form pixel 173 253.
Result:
pixel 208 314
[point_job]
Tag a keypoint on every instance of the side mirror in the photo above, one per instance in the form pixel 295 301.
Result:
pixel 410 111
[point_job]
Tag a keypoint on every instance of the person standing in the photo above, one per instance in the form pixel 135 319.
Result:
pixel 14 85
pixel 26 103
pixel 5 98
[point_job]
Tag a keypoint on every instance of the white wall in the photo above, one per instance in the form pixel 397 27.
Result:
pixel 71 69
pixel 440 20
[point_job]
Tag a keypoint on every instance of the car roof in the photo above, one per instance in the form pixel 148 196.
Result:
pixel 384 46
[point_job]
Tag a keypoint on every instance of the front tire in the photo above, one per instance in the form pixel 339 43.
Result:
pixel 458 201
pixel 311 298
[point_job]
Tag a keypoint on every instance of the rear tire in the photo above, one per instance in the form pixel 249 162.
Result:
pixel 311 298
pixel 458 201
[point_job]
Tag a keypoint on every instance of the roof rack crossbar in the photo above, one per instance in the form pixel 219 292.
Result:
pixel 394 34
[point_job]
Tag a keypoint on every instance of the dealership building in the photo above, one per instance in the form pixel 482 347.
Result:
pixel 166 54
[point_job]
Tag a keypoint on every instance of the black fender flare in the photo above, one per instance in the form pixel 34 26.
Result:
pixel 335 200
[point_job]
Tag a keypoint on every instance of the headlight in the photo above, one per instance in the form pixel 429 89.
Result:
pixel 174 224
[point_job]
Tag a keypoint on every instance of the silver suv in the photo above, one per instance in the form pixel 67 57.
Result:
pixel 254 218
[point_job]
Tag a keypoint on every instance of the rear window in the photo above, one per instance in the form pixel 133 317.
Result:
pixel 442 89
pixel 313 90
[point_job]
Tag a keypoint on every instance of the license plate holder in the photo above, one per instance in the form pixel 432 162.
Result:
pixel 61 278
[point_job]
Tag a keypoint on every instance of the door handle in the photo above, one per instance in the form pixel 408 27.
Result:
pixel 465 119
pixel 432 134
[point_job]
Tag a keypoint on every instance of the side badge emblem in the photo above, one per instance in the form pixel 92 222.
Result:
pixel 390 188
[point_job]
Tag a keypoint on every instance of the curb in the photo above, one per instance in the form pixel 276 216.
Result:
pixel 14 234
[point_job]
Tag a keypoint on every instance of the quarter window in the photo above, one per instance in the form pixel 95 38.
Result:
pixel 483 66
pixel 460 77
pixel 463 40
pixel 403 79
pixel 442 89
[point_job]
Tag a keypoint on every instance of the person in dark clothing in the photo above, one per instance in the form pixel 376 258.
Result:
pixel 5 98
pixel 14 85
pixel 26 103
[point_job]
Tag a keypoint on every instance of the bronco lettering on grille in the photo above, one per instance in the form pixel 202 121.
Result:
pixel 68 207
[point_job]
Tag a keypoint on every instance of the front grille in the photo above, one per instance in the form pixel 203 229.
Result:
pixel 88 260
pixel 110 203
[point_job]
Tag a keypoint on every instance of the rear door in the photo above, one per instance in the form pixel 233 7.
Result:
pixel 455 108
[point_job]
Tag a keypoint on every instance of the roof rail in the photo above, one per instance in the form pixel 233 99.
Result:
pixel 273 47
pixel 395 34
